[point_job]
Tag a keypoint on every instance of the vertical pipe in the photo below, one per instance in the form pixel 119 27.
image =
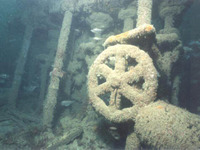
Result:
pixel 144 12
pixel 51 97
pixel 20 67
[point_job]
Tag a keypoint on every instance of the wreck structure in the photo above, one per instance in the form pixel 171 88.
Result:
pixel 115 69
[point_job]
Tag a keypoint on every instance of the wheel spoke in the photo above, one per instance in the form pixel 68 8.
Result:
pixel 104 70
pixel 120 63
pixel 102 88
pixel 112 98
pixel 133 74
pixel 132 93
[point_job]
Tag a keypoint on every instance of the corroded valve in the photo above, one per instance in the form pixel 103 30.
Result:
pixel 121 80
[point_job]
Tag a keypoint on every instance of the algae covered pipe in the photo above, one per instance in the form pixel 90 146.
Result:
pixel 20 67
pixel 144 12
pixel 164 126
pixel 56 74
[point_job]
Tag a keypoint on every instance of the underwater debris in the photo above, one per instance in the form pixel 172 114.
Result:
pixel 131 36
pixel 65 139
pixel 171 132
pixel 51 96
